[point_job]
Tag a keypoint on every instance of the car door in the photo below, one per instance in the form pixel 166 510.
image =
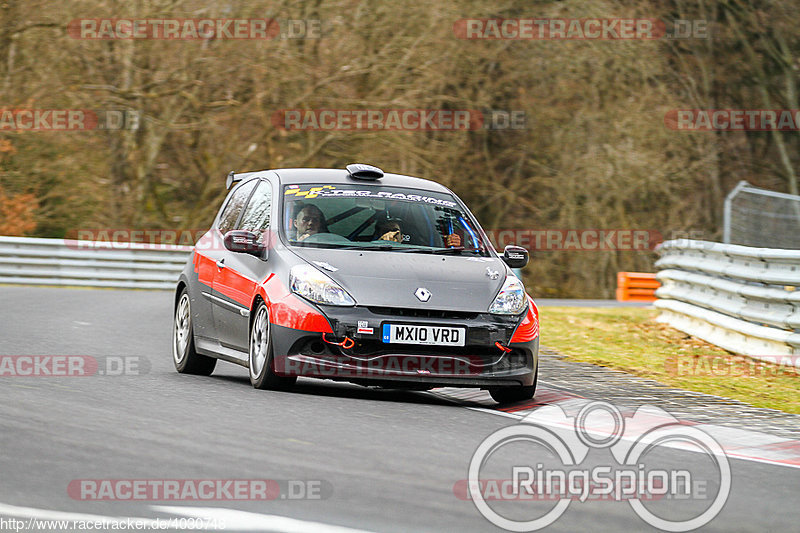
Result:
pixel 210 257
pixel 205 257
pixel 236 283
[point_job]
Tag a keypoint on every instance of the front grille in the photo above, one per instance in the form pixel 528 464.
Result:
pixel 483 358
pixel 422 313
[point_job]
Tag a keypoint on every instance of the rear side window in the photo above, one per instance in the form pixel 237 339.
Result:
pixel 256 215
pixel 237 201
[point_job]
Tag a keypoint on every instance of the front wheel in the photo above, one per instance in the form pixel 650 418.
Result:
pixel 184 355
pixel 504 395
pixel 262 373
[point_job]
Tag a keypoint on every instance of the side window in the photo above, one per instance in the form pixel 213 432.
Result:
pixel 231 212
pixel 256 215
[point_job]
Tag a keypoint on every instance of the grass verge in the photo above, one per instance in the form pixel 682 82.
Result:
pixel 629 339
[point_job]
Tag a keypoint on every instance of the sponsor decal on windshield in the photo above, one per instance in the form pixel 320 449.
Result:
pixel 329 191
pixel 313 192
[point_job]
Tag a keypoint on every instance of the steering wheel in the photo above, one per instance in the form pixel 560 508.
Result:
pixel 327 238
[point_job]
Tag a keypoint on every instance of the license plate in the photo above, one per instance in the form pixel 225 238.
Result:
pixel 429 335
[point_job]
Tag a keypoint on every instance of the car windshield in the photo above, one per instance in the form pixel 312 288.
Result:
pixel 376 217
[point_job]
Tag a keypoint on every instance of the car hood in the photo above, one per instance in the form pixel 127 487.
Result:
pixel 390 279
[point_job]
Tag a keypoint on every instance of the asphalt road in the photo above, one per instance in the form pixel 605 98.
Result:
pixel 387 460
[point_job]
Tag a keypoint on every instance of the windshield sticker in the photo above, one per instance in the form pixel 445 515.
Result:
pixel 313 192
pixel 328 191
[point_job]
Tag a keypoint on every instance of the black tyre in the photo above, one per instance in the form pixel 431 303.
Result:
pixel 184 355
pixel 262 374
pixel 505 395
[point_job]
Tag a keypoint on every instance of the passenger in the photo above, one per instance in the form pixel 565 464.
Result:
pixel 388 229
pixel 453 240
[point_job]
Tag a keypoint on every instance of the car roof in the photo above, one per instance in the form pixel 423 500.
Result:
pixel 299 176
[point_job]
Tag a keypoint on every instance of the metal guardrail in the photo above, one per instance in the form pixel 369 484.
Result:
pixel 741 298
pixel 90 263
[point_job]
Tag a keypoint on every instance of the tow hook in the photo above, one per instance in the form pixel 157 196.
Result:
pixel 505 349
pixel 347 343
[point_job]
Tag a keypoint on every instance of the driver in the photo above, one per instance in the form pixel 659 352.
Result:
pixel 309 221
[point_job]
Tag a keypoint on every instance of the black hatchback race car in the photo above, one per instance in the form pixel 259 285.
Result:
pixel 355 275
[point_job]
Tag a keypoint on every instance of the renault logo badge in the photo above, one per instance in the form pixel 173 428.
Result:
pixel 423 294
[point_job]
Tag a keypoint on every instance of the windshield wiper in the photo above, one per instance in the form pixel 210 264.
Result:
pixel 392 248
pixel 366 247
pixel 455 250
pixel 385 248
pixel 389 247
pixel 437 251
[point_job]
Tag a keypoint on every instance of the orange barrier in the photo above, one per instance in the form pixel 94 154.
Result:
pixel 636 287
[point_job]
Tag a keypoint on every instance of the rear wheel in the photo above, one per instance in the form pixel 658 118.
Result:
pixel 184 355
pixel 262 374
pixel 504 395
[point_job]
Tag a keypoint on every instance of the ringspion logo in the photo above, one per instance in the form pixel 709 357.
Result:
pixel 543 459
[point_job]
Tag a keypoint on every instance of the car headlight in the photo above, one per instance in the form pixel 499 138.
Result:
pixel 511 300
pixel 313 285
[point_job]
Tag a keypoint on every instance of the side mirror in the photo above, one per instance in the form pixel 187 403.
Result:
pixel 515 256
pixel 244 242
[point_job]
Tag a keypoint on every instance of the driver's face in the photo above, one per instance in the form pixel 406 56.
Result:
pixel 308 221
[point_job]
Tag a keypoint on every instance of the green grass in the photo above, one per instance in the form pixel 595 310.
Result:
pixel 630 339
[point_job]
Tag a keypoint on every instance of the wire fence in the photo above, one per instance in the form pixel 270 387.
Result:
pixel 762 218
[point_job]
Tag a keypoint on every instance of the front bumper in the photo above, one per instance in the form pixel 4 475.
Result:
pixel 480 363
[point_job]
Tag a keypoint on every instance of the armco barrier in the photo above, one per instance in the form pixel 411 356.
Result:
pixel 90 264
pixel 741 298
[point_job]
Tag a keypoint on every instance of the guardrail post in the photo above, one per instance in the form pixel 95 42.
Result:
pixel 726 223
